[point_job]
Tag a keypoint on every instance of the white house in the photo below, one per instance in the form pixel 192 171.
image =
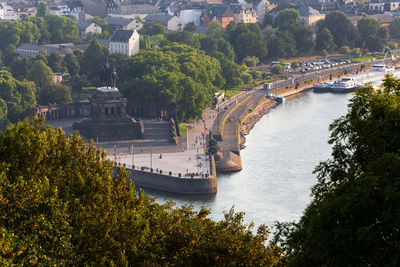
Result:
pixel 125 42
pixel 7 12
pixel 86 27
pixel 171 23
pixel 190 15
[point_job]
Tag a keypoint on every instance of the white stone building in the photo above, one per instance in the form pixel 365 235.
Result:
pixel 125 42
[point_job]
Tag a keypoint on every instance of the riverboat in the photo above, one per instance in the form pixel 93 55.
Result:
pixel 345 85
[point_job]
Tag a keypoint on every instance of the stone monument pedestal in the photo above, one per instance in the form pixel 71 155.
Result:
pixel 107 119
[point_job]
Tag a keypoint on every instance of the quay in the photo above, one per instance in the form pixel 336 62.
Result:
pixel 186 171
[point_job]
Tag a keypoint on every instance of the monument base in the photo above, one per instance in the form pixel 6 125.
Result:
pixel 109 130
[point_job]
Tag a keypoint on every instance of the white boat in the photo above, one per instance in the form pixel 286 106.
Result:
pixel 345 85
pixel 381 68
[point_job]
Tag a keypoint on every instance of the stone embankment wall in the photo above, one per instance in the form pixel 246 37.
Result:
pixel 249 120
pixel 182 185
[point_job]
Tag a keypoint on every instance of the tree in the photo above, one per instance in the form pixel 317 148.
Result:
pixel 184 37
pixel 295 65
pixel 55 62
pixel 247 40
pixel 55 93
pixel 250 61
pixel 61 205
pixel 324 53
pixel 383 33
pixel 352 219
pixel 62 29
pixel 277 69
pixel 355 52
pixel 18 96
pixel 190 27
pixel 42 10
pixel 93 59
pixel 324 40
pixel 164 75
pixel 71 62
pixel 41 74
pixel 286 18
pixel 153 29
pixel 215 29
pixel 342 29
pixel 394 29
pixel 367 27
pixel 282 45
pixel 345 50
pixel 374 43
pixel 304 40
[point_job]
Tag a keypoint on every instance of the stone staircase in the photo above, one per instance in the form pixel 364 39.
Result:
pixel 156 130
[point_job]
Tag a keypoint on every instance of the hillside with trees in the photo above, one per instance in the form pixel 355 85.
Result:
pixel 61 205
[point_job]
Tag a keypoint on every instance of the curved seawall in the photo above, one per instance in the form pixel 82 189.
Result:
pixel 174 184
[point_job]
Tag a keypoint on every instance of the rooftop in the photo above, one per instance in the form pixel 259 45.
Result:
pixel 119 21
pixel 121 35
pixel 158 17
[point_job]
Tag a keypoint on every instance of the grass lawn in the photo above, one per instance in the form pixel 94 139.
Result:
pixel 182 128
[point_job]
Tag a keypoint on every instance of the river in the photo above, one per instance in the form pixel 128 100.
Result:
pixel 281 153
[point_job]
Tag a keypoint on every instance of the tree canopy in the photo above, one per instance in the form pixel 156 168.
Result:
pixel 61 205
pixel 353 217
pixel 15 97
pixel 341 28
pixel 172 74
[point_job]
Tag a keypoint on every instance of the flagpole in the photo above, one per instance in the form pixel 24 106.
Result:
pixel 151 157
pixel 133 155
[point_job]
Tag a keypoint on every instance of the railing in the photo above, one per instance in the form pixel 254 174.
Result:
pixel 191 175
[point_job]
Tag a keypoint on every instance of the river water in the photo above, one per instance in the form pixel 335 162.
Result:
pixel 281 153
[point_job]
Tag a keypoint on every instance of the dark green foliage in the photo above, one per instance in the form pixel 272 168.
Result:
pixel 353 217
pixel 18 96
pixel 394 29
pixel 367 27
pixel 42 10
pixel 342 29
pixel 190 27
pixel 172 74
pixel 374 43
pixel 62 29
pixel 290 38
pixel 55 62
pixel 55 93
pixel 61 206
pixel 184 37
pixel 93 60
pixel 71 62
pixel 247 40
pixel 324 40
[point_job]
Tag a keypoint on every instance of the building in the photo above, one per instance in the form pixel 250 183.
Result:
pixel 125 42
pixel 7 12
pixel 381 6
pixel 309 16
pixel 29 50
pixel 383 19
pixel 171 23
pixel 221 13
pixel 244 13
pixel 190 15
pixel 118 23
pixel 86 27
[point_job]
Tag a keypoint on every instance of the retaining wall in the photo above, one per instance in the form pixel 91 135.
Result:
pixel 182 185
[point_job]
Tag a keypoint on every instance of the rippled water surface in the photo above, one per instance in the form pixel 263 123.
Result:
pixel 281 152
